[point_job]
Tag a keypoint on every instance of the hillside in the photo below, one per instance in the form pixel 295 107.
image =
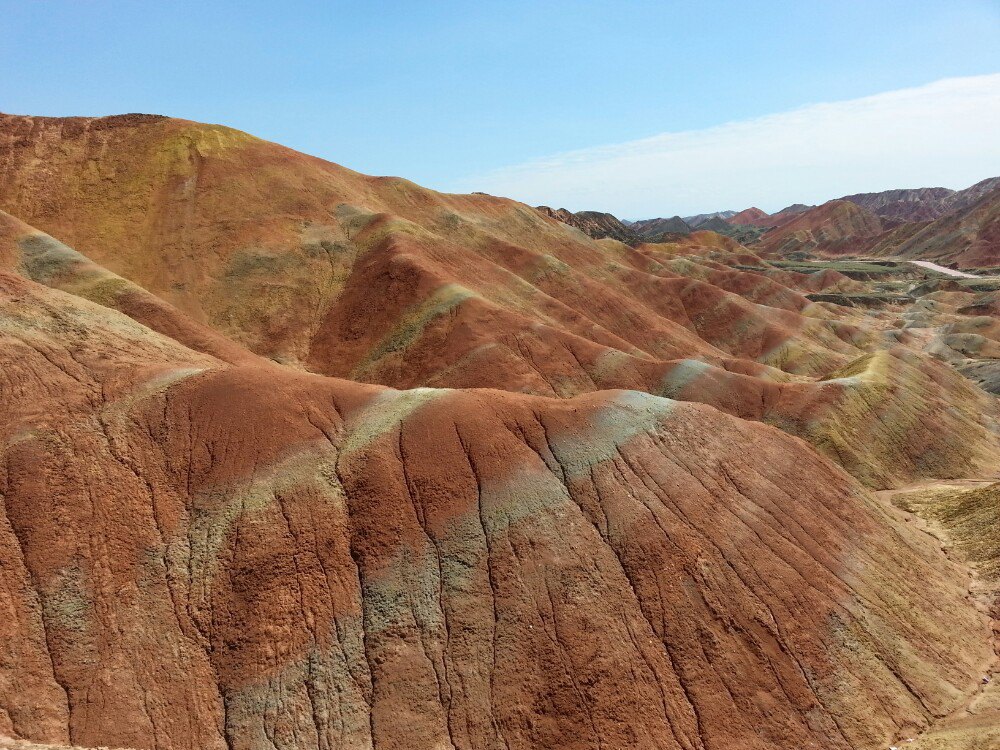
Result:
pixel 297 457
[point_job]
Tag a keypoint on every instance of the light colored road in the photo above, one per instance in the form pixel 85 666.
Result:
pixel 941 269
pixel 929 266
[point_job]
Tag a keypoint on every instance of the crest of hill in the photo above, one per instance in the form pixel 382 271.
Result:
pixel 963 199
pixel 907 205
pixel 306 262
pixel 652 229
pixel 787 214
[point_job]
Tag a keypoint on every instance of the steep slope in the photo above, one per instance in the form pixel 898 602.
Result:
pixel 309 562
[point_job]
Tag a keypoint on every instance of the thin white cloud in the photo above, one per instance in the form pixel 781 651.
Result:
pixel 946 133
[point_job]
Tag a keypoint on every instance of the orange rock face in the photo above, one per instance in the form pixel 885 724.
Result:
pixel 504 487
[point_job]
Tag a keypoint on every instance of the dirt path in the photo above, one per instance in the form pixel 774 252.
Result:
pixel 975 723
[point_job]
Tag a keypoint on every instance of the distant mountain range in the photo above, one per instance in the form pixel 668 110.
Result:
pixel 698 219
pixel 922 204
pixel 952 226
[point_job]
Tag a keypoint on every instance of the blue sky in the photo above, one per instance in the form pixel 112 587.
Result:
pixel 452 94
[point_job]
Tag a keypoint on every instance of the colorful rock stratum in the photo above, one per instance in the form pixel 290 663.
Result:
pixel 295 457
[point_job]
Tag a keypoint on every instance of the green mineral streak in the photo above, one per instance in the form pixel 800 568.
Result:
pixel 680 376
pixel 630 413
pixel 217 510
pixel 50 262
pixel 65 602
pixel 384 413
pixel 415 321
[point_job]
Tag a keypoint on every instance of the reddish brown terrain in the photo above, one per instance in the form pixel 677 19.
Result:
pixel 294 457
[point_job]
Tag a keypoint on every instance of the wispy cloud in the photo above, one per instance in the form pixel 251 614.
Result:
pixel 945 133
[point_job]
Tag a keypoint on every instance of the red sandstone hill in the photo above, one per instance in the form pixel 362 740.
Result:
pixel 378 280
pixel 309 559
pixel 298 457
pixel 751 216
